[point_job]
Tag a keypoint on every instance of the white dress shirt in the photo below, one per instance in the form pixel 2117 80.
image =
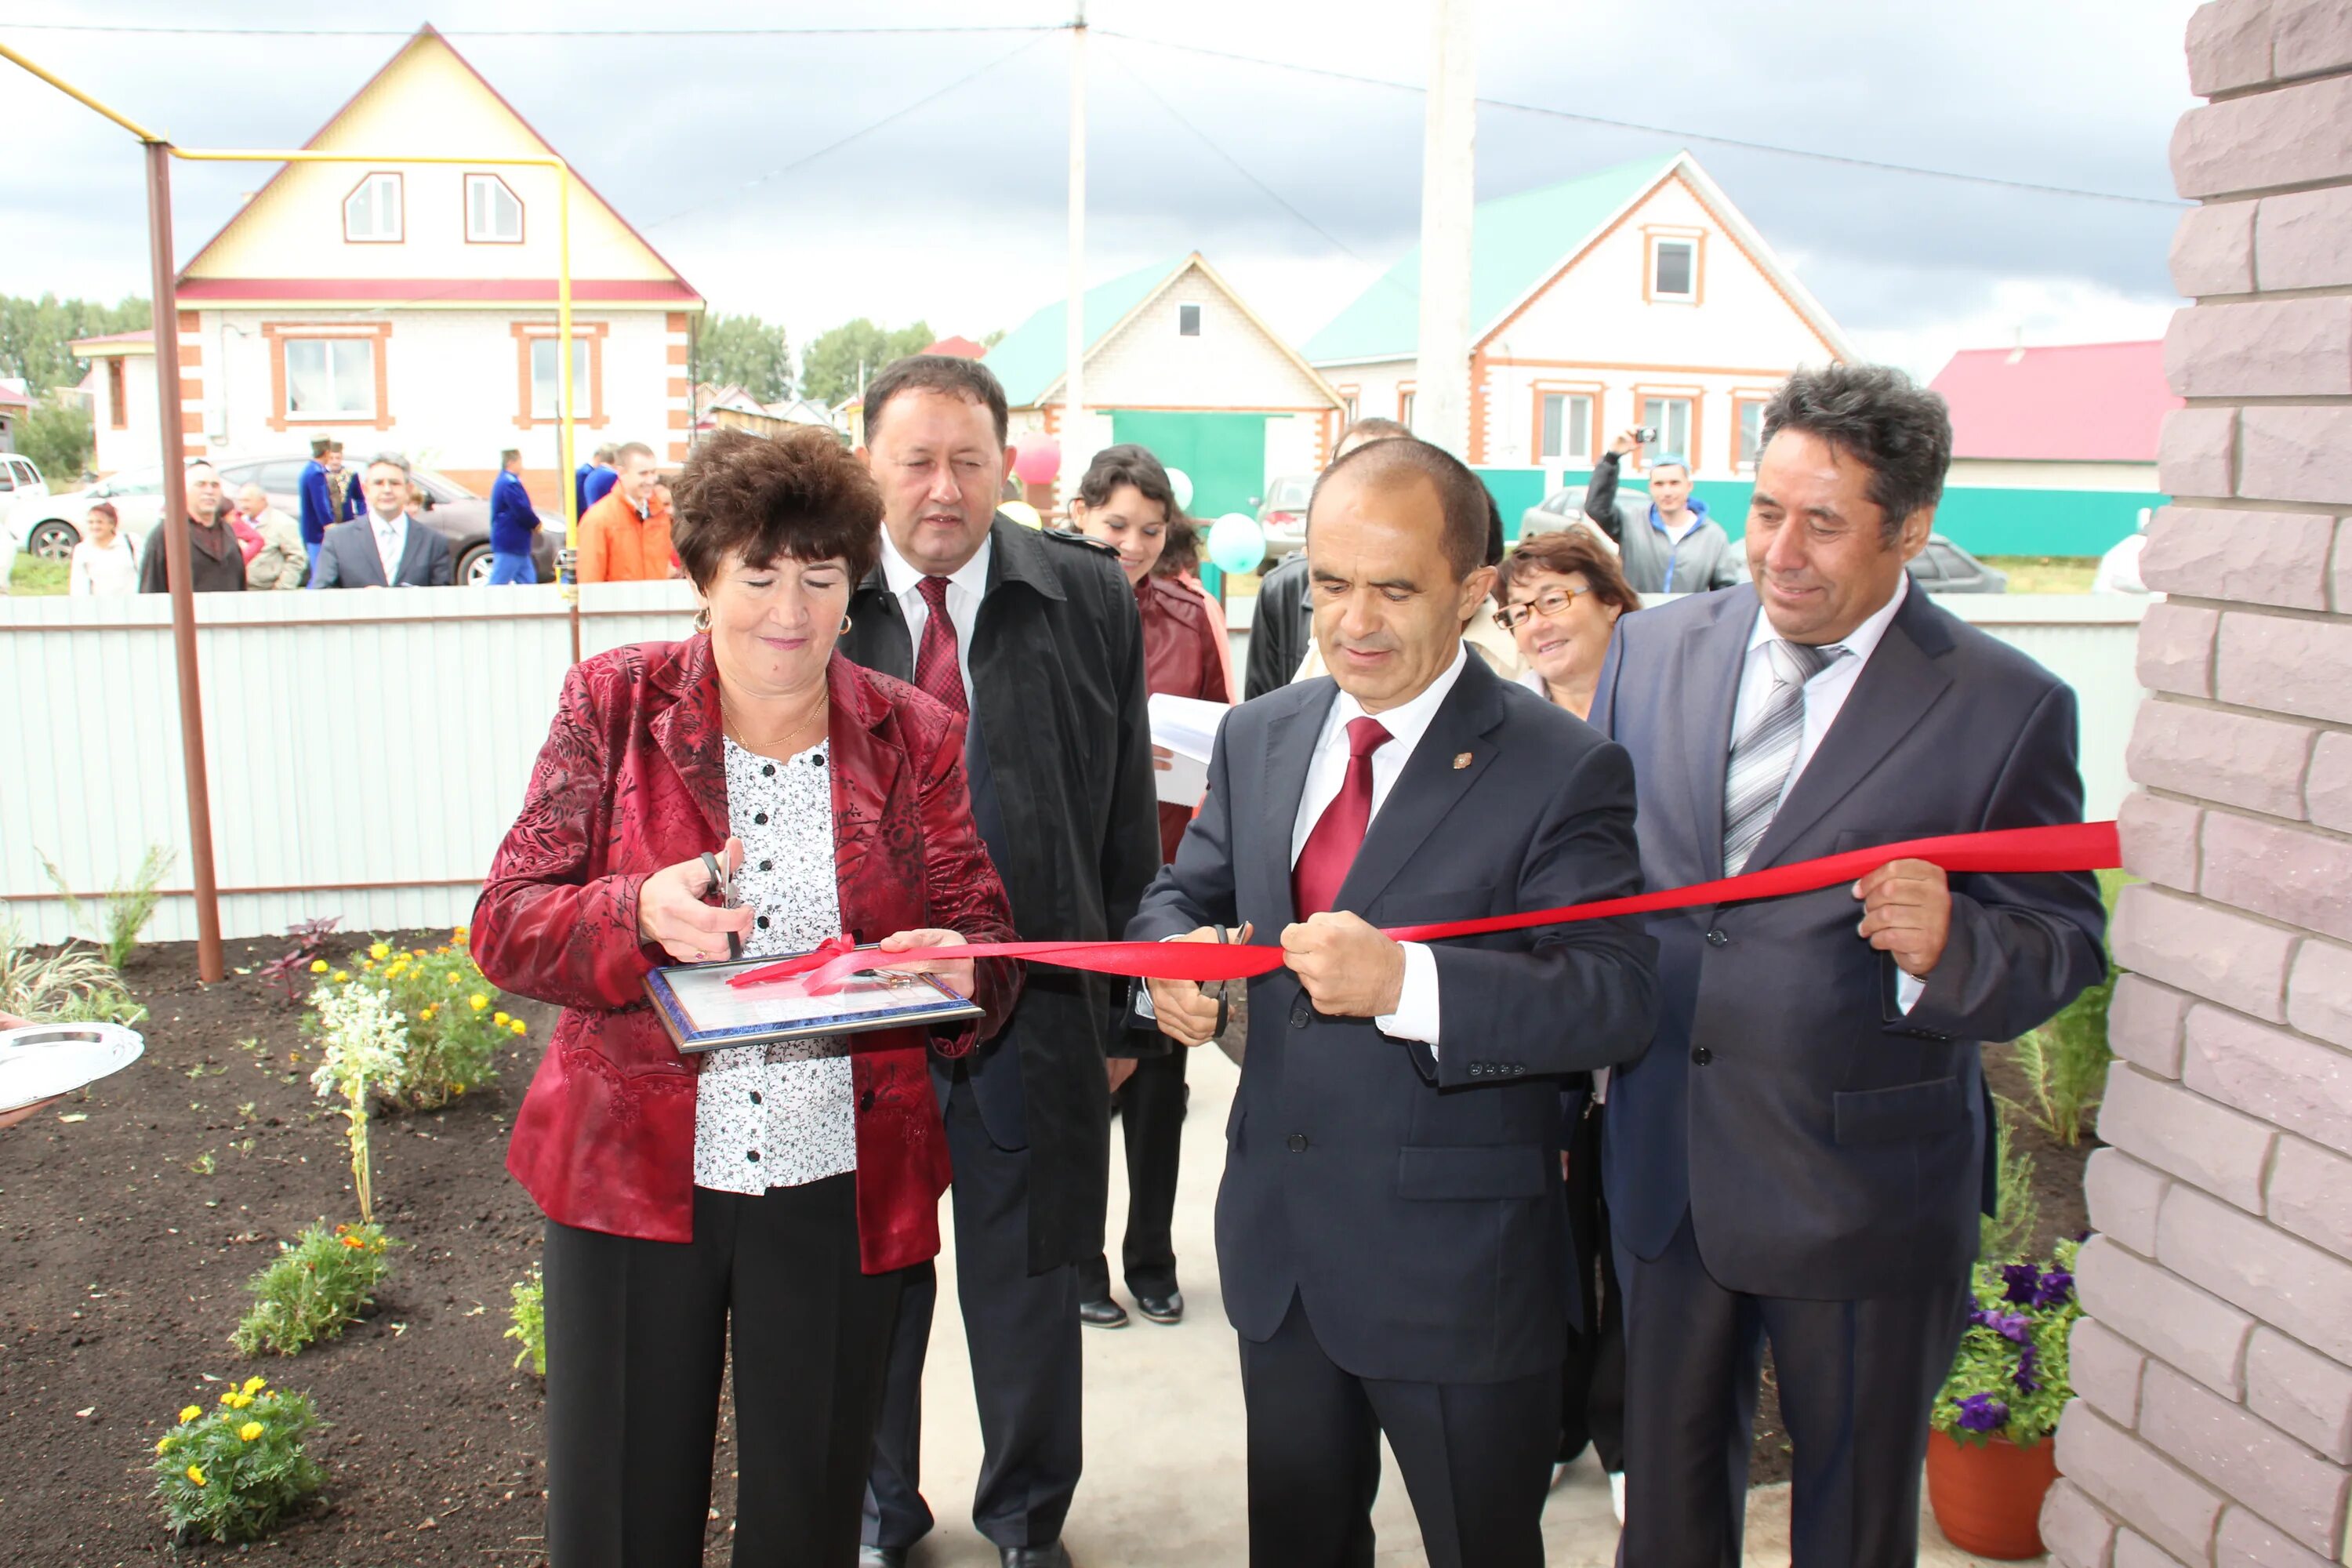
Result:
pixel 391 541
pixel 966 583
pixel 1825 695
pixel 1416 1013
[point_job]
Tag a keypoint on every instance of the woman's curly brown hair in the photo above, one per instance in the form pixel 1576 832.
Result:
pixel 800 495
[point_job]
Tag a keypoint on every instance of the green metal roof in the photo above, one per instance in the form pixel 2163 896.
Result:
pixel 1516 242
pixel 1032 356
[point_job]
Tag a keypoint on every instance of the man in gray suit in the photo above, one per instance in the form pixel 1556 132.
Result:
pixel 1390 1227
pixel 1802 1154
pixel 387 547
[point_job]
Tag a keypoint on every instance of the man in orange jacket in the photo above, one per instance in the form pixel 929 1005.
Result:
pixel 624 538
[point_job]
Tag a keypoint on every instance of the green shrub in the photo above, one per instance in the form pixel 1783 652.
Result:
pixel 124 911
pixel 232 1472
pixel 312 1289
pixel 2065 1060
pixel 70 985
pixel 2011 1377
pixel 449 1012
pixel 2004 1233
pixel 529 1326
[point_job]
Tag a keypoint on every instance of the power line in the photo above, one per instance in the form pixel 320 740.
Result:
pixel 159 30
pixel 1667 131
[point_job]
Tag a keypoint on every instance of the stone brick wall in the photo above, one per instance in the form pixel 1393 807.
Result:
pixel 2212 1422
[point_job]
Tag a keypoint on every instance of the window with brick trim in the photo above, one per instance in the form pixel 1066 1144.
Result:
pixel 1671 418
pixel 331 378
pixel 546 380
pixel 373 212
pixel 1564 426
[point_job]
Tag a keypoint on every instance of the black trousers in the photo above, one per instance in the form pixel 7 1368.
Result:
pixel 1476 1458
pixel 637 1333
pixel 1026 1371
pixel 1592 1372
pixel 1152 1110
pixel 1856 1381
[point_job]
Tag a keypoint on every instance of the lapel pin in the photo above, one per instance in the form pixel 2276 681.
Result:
pixel 1461 761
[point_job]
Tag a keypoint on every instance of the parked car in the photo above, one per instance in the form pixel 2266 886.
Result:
pixel 1553 513
pixel 1943 567
pixel 1282 515
pixel 20 480
pixel 52 527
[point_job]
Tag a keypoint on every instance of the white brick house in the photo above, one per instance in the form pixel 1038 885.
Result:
pixel 411 306
pixel 1635 295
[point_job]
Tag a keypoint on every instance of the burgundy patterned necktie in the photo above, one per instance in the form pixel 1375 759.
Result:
pixel 937 670
pixel 1339 832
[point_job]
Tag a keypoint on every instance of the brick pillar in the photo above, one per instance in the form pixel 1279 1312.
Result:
pixel 2213 1418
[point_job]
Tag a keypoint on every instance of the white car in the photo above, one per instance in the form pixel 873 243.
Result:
pixel 49 526
pixel 20 482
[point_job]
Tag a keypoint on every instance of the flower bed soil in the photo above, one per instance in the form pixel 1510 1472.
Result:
pixel 122 1272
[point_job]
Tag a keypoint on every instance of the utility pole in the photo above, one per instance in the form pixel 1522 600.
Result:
pixel 1449 134
pixel 1073 337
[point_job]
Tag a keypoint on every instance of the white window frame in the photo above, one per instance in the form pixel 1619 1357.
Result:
pixel 1199 321
pixel 1565 453
pixel 335 363
pixel 1689 246
pixel 1745 405
pixel 369 186
pixel 583 367
pixel 497 187
pixel 1666 444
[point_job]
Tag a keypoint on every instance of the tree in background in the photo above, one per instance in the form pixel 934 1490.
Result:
pixel 831 364
pixel 58 435
pixel 34 334
pixel 745 352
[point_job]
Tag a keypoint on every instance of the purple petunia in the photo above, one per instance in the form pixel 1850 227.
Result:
pixel 2023 1376
pixel 2056 1288
pixel 1983 1413
pixel 2020 1281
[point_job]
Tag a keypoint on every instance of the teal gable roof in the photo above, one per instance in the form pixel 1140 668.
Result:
pixel 1031 357
pixel 1516 242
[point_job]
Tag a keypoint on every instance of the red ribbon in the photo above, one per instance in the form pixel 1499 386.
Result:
pixel 2065 847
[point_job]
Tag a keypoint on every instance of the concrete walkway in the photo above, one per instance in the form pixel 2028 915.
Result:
pixel 1164 1481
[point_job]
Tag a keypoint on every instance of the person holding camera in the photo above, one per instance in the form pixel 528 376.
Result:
pixel 1667 542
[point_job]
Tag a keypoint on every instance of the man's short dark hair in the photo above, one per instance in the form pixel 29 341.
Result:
pixel 1370 429
pixel 320 445
pixel 965 378
pixel 801 496
pixel 1881 418
pixel 1471 519
pixel 510 455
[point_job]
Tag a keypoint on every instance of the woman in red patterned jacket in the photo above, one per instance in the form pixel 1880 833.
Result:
pixel 1126 501
pixel 782 1189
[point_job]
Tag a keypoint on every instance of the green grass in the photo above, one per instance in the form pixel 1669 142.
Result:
pixel 2046 573
pixel 34 575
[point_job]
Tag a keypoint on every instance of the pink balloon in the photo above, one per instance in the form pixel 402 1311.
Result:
pixel 1036 459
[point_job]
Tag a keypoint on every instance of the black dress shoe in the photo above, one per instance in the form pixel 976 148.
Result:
pixel 1103 1314
pixel 881 1557
pixel 1167 1309
pixel 1052 1556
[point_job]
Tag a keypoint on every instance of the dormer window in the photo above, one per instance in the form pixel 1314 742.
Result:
pixel 1675 267
pixel 493 212
pixel 371 213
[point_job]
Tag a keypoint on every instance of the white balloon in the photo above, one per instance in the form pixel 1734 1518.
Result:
pixel 1181 483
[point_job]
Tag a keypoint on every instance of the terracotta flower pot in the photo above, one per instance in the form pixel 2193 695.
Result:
pixel 1988 1495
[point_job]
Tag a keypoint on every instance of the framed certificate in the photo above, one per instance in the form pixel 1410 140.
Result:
pixel 703 1012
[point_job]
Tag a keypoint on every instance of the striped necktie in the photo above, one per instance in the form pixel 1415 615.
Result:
pixel 1761 759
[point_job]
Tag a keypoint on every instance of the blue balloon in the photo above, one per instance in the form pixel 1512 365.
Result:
pixel 1236 543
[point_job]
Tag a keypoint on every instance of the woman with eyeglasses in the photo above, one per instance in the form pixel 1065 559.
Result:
pixel 1560 595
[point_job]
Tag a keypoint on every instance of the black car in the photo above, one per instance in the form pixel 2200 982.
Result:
pixel 451 510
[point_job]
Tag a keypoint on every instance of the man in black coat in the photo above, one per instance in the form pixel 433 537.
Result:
pixel 1390 1228
pixel 1035 637
pixel 1802 1154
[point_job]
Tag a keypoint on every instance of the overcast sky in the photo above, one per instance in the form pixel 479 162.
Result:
pixel 946 199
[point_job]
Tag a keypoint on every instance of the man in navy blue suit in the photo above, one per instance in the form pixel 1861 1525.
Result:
pixel 514 524
pixel 1390 1228
pixel 1802 1154
pixel 320 512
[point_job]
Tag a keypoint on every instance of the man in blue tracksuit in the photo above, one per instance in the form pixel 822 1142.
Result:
pixel 514 524
pixel 1666 542
pixel 319 509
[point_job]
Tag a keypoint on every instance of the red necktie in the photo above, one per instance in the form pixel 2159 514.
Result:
pixel 1339 832
pixel 936 668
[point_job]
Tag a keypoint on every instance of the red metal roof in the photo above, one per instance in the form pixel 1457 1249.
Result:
pixel 422 292
pixel 2083 403
pixel 144 335
pixel 958 348
pixel 9 396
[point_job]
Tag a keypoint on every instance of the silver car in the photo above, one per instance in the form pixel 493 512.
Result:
pixel 1282 515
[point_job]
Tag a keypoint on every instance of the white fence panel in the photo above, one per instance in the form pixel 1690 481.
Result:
pixel 366 751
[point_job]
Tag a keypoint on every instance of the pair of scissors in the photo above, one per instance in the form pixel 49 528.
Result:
pixel 722 883
pixel 1224 1007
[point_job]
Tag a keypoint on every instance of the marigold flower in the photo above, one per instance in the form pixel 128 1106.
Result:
pixel 379 950
pixel 318 966
pixel 238 1401
pixel 477 1001
pixel 501 1020
pixel 353 1242
pixel 518 1026
pixel 453 980
pixel 339 976
pixel 368 965
pixel 255 1384
pixel 191 1412
pixel 458 932
pixel 164 1443
pixel 251 1430
pixel 230 1399
pixel 196 1474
